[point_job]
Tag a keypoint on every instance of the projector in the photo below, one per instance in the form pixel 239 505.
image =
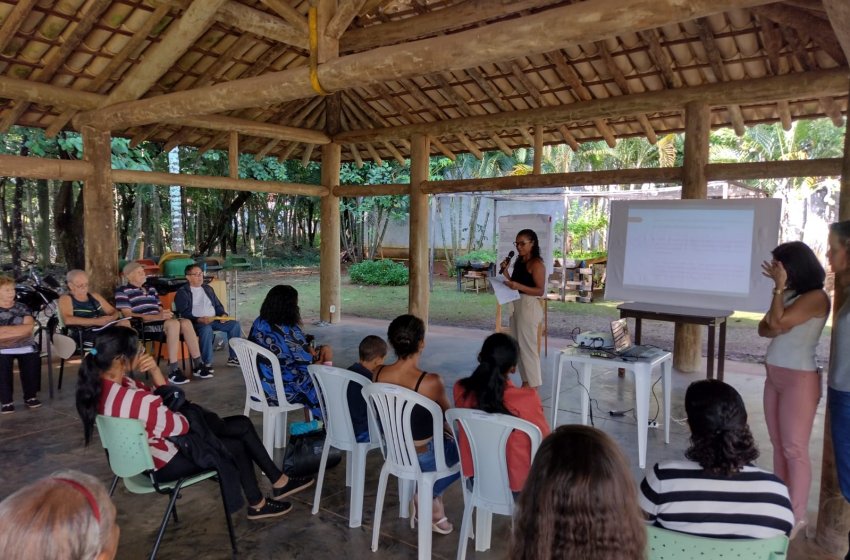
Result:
pixel 592 339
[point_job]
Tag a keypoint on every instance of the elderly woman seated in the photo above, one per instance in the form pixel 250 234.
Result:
pixel 84 310
pixel 16 341
pixel 717 491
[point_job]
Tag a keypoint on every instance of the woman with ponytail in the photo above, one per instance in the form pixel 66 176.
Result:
pixel 717 492
pixel 489 389
pixel 105 387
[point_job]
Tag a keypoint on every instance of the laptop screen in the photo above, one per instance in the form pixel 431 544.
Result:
pixel 620 333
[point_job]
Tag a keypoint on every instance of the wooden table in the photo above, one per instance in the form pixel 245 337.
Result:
pixel 712 318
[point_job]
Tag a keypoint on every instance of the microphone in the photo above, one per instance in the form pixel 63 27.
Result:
pixel 506 262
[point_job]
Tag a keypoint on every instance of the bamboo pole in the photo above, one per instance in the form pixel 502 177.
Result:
pixel 687 338
pixel 591 21
pixel 833 509
pixel 419 294
pixel 101 244
pixel 329 304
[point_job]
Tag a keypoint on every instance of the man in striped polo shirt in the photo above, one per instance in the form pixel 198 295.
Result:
pixel 135 299
pixel 717 492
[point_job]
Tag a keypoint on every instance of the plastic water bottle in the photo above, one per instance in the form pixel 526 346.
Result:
pixel 300 428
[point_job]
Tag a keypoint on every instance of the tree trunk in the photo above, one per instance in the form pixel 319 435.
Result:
pixel 43 194
pixel 17 214
pixel 218 230
pixel 68 224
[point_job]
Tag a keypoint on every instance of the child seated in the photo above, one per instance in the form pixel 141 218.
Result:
pixel 372 351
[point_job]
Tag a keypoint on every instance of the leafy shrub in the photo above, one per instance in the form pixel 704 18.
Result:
pixel 379 273
pixel 481 255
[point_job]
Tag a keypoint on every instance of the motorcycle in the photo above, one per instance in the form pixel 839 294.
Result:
pixel 39 294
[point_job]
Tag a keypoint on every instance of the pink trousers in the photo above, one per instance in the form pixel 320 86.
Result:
pixel 791 399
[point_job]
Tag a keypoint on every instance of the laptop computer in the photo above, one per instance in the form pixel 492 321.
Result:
pixel 623 346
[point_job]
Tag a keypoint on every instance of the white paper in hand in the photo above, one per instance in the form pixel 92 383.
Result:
pixel 503 293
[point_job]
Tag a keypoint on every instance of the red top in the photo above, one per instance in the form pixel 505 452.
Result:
pixel 522 403
pixel 131 399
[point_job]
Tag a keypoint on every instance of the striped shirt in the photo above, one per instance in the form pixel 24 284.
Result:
pixel 681 496
pixel 142 301
pixel 131 399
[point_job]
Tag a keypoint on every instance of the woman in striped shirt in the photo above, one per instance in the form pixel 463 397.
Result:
pixel 717 492
pixel 105 388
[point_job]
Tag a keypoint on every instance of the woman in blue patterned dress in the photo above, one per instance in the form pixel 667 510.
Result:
pixel 278 329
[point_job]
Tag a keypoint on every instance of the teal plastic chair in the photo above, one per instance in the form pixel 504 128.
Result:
pixel 126 444
pixel 670 545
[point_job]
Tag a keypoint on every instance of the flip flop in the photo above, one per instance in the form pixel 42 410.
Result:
pixel 443 531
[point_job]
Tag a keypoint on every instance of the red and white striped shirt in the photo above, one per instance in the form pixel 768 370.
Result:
pixel 131 399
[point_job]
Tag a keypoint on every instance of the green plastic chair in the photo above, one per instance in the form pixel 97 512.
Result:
pixel 126 444
pixel 670 545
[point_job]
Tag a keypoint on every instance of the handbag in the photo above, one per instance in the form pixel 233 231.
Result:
pixel 304 454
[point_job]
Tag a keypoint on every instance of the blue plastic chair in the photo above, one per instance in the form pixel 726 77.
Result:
pixel 664 544
pixel 126 444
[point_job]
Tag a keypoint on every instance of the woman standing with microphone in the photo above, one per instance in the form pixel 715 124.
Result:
pixel 529 279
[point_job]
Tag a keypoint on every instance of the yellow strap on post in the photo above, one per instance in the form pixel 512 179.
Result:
pixel 313 25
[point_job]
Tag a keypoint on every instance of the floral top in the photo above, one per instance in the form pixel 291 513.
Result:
pixel 13 316
pixel 288 344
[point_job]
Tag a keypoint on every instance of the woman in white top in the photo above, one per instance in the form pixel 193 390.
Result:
pixel 792 391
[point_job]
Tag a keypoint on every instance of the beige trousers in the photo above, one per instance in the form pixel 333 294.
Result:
pixel 525 321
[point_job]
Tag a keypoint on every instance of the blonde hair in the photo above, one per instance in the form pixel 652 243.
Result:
pixel 6 280
pixel 56 518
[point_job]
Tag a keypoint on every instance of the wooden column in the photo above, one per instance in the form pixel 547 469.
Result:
pixel 418 294
pixel 537 168
pixel 233 155
pixel 101 244
pixel 833 510
pixel 687 338
pixel 329 303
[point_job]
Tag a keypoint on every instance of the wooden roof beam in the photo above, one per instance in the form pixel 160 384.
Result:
pixel 20 10
pixel 623 84
pixel 69 41
pixel 464 14
pixel 160 57
pixel 473 149
pixel 660 59
pixel 345 14
pixel 759 90
pixel 807 24
pixel 288 13
pixel 839 17
pixel 442 148
pixel 591 20
pixel 355 153
pixel 212 182
pixel 568 137
pixel 715 59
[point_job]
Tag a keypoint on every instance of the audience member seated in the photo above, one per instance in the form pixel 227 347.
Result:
pixel 373 352
pixel 65 516
pixel 134 299
pixel 579 501
pixel 489 389
pixel 278 329
pixel 406 335
pixel 16 341
pixel 717 492
pixel 181 435
pixel 81 309
pixel 197 302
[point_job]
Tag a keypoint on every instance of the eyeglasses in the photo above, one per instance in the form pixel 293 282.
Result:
pixel 521 243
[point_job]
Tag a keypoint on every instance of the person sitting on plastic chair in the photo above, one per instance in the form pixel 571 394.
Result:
pixel 85 311
pixel 134 299
pixel 372 352
pixel 198 303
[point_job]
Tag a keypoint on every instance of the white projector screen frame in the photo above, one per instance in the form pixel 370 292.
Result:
pixel 694 253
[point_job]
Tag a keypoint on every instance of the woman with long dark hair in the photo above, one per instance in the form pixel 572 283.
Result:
pixel 490 389
pixel 105 387
pixel 406 334
pixel 278 329
pixel 529 279
pixel 838 382
pixel 792 390
pixel 717 491
pixel 579 501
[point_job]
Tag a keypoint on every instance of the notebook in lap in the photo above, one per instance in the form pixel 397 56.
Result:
pixel 623 346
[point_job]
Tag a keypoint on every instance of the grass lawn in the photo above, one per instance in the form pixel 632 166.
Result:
pixel 448 306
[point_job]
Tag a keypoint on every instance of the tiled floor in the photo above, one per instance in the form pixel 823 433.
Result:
pixel 38 442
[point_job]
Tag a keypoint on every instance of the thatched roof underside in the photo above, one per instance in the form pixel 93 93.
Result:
pixel 93 45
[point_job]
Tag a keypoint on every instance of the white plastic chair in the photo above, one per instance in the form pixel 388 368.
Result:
pixel 487 435
pixel 391 406
pixel 274 417
pixel 332 388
